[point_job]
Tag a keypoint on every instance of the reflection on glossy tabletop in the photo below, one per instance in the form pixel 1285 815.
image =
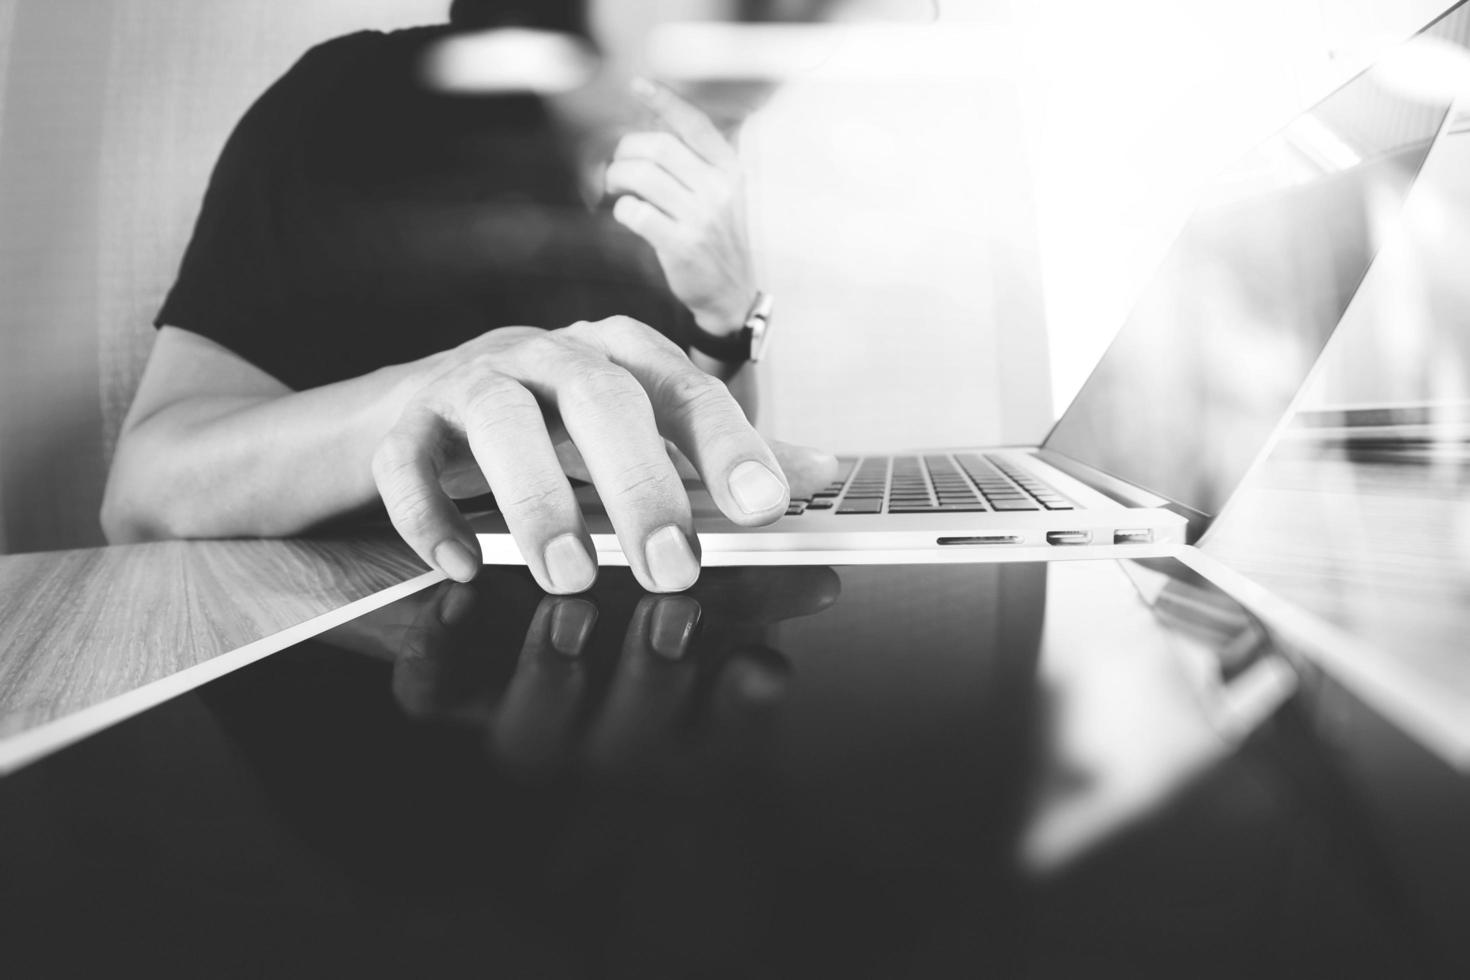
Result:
pixel 85 626
pixel 1368 528
pixel 1087 768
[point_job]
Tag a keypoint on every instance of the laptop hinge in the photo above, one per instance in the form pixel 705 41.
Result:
pixel 1124 493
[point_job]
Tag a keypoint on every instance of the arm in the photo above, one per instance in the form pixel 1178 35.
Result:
pixel 209 435
pixel 215 447
pixel 683 191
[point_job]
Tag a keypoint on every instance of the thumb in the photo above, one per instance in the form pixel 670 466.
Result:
pixel 807 470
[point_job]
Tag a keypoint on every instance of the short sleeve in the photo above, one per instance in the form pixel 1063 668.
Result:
pixel 233 284
pixel 356 219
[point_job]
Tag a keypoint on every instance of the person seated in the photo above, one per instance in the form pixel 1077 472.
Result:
pixel 402 290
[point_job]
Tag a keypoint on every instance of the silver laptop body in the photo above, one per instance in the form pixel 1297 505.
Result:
pixel 1185 400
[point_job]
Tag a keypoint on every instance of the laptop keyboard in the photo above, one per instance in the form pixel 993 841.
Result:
pixel 931 484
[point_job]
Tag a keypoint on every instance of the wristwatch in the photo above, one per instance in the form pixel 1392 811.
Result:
pixel 746 344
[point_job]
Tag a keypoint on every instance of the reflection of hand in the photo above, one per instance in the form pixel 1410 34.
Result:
pixel 407 627
pixel 659 678
pixel 682 191
pixel 615 688
pixel 497 407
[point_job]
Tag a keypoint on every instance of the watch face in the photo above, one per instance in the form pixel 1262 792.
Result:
pixel 757 329
pixel 759 325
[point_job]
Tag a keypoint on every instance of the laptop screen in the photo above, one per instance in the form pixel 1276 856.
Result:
pixel 1227 331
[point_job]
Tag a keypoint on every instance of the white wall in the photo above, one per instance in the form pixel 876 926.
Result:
pixel 7 33
pixel 896 224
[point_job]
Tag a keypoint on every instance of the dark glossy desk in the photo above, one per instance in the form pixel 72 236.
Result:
pixel 1088 768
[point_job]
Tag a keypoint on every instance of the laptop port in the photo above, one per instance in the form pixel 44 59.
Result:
pixel 1068 537
pixel 983 539
pixel 1137 535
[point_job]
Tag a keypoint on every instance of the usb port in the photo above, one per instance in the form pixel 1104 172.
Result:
pixel 1068 537
pixel 1137 535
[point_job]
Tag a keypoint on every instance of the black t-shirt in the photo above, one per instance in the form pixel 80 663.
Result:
pixel 356 219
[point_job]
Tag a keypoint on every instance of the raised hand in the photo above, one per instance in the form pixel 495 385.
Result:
pixel 681 189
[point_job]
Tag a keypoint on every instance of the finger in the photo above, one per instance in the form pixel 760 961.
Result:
pixel 681 462
pixel 427 666
pixel 541 703
pixel 668 152
pixel 807 470
pixel 406 470
pixel 752 680
pixel 687 123
pixel 700 416
pixel 608 416
pixel 572 463
pixel 507 435
pixel 653 184
pixel 743 704
pixel 647 222
pixel 456 605
pixel 741 597
pixel 653 685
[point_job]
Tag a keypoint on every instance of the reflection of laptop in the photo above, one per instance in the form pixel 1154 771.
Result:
pixel 1183 401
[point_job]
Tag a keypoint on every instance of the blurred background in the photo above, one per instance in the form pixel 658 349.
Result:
pixel 956 201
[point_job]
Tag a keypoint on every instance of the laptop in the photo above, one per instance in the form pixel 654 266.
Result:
pixel 1184 401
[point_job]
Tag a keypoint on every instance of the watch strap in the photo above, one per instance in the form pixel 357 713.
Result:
pixel 742 345
pixel 732 348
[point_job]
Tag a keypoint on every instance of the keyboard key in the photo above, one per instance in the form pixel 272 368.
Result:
pixel 934 483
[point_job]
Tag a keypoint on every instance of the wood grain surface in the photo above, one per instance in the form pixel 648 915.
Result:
pixel 80 627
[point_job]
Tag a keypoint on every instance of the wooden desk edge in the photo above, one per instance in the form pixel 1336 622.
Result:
pixel 25 747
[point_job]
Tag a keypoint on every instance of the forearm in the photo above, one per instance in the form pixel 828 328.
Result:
pixel 235 466
pixel 272 462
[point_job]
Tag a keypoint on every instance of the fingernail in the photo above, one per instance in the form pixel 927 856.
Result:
pixel 671 562
pixel 756 489
pixel 675 619
pixel 456 605
pixel 568 564
pixel 455 560
pixel 571 626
